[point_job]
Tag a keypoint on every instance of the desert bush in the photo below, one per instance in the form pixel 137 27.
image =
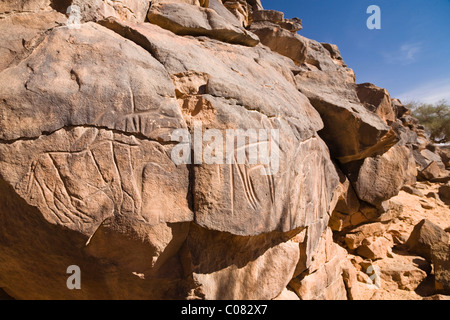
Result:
pixel 435 118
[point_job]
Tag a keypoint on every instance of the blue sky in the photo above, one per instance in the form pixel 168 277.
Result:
pixel 409 56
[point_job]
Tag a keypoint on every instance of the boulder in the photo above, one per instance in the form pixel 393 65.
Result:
pixel 280 40
pixel 109 260
pixel 375 248
pixel 84 178
pixel 230 267
pixel 351 131
pixel 388 211
pixel 187 19
pixel 380 178
pixel 445 156
pixel 277 17
pixel 444 193
pixel 222 11
pixel 413 191
pixel 424 236
pixel 431 156
pixel 431 172
pixel 399 109
pixel 440 257
pixel 355 238
pixel 376 100
pixel 403 272
pixel 406 136
pixel 325 283
pixel 292 25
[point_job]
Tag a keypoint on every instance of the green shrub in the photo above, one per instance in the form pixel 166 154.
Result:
pixel 435 118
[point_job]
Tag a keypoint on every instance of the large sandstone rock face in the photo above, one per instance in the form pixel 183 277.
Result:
pixel 88 178
pixel 86 117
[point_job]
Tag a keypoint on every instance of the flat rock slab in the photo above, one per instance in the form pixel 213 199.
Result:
pixel 186 19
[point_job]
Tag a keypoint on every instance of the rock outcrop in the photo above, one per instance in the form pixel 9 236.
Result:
pixel 88 115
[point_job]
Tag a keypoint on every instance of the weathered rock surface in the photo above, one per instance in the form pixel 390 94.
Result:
pixel 88 150
pixel 234 205
pixel 440 257
pixel 61 85
pixel 186 19
pixel 94 10
pixel 21 33
pixel 88 177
